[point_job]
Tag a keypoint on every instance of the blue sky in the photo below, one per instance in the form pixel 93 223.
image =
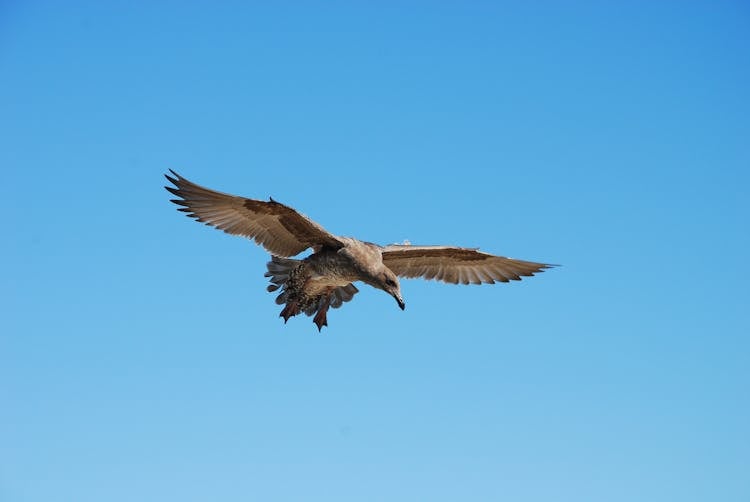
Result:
pixel 142 359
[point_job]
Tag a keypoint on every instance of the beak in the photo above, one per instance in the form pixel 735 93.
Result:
pixel 400 301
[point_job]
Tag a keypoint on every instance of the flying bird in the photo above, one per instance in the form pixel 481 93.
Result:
pixel 325 279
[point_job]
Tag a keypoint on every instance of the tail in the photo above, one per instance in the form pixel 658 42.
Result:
pixel 278 271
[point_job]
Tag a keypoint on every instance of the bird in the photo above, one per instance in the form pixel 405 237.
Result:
pixel 325 278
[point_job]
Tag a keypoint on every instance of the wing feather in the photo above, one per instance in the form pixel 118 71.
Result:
pixel 456 265
pixel 277 227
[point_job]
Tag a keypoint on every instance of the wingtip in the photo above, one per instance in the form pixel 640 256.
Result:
pixel 175 178
pixel 173 191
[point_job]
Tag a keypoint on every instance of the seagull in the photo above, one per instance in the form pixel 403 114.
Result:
pixel 325 279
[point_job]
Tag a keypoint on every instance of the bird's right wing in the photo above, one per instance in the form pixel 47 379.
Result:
pixel 278 228
pixel 456 265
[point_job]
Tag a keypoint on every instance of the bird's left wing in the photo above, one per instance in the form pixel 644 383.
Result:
pixel 278 228
pixel 456 265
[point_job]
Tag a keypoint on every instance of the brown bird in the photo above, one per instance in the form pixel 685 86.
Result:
pixel 325 278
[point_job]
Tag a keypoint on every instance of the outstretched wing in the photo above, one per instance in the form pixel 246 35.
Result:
pixel 456 265
pixel 278 228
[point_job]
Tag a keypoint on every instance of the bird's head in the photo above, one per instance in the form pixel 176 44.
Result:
pixel 388 282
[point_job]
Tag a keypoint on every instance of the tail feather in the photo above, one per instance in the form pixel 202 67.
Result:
pixel 279 269
pixel 281 299
pixel 343 294
pixel 278 274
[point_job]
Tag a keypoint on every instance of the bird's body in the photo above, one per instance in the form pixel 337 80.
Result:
pixel 325 278
pixel 322 280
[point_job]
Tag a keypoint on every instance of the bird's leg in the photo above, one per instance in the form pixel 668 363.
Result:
pixel 320 319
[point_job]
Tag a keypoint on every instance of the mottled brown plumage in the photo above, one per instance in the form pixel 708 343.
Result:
pixel 325 278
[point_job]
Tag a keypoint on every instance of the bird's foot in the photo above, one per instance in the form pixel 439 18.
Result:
pixel 291 309
pixel 320 319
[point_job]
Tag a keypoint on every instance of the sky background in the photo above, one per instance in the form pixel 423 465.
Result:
pixel 141 358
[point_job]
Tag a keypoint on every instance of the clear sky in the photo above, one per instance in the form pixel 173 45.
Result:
pixel 141 358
